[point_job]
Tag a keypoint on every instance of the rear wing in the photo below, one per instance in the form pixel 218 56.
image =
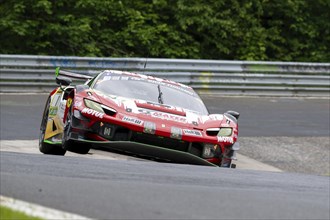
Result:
pixel 59 72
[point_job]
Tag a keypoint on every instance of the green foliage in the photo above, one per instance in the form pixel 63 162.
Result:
pixel 9 214
pixel 298 30
pixel 287 30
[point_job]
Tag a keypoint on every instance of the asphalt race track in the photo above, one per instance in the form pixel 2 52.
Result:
pixel 123 189
pixel 106 189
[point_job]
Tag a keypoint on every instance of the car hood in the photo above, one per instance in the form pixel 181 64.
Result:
pixel 161 112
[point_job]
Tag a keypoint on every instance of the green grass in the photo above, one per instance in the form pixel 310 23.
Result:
pixel 9 214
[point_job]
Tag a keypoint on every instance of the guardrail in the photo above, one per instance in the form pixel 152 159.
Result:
pixel 25 73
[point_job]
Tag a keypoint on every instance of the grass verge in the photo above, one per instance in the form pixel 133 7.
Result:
pixel 9 214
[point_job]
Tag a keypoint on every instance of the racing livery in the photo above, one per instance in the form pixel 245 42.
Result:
pixel 138 114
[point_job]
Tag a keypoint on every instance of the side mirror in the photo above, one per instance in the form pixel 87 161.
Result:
pixel 233 113
pixel 63 81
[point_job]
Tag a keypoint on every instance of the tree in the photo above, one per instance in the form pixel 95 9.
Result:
pixel 287 30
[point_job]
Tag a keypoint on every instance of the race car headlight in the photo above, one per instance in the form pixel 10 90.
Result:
pixel 225 132
pixel 93 105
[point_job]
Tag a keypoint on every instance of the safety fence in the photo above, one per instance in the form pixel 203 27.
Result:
pixel 26 73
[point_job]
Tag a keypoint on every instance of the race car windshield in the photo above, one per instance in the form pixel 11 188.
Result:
pixel 150 90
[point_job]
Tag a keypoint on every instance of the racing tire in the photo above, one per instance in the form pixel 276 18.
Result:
pixel 46 148
pixel 67 143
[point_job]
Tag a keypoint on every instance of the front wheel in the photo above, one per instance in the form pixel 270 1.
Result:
pixel 67 143
pixel 47 148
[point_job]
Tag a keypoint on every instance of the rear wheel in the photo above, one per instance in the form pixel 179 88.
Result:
pixel 47 148
pixel 71 145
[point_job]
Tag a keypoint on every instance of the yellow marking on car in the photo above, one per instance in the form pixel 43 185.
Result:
pixel 49 129
pixel 69 102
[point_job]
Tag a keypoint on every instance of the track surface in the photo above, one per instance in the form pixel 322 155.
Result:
pixel 110 189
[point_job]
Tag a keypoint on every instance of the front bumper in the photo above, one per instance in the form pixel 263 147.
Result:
pixel 115 131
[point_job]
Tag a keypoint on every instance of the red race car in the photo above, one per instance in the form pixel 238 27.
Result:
pixel 139 114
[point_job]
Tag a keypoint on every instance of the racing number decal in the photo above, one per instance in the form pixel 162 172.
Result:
pixel 69 102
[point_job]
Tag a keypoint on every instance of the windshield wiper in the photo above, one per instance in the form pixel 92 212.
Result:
pixel 160 96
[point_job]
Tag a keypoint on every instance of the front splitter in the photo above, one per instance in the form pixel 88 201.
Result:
pixel 151 151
